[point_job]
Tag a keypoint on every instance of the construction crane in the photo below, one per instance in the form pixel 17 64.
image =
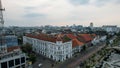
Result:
pixel 1 16
pixel 3 47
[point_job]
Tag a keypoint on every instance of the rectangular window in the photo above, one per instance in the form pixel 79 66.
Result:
pixel 23 66
pixel 11 63
pixel 4 65
pixel 23 60
pixel 18 67
pixel 17 61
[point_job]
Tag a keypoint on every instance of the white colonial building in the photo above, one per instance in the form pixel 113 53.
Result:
pixel 76 46
pixel 54 48
pixel 57 47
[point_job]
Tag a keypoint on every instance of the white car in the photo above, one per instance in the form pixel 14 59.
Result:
pixel 39 65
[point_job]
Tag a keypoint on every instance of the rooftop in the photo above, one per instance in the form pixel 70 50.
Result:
pixel 10 49
pixel 50 38
pixel 86 37
pixel 75 43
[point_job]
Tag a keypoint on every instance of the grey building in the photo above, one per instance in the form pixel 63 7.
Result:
pixel 13 59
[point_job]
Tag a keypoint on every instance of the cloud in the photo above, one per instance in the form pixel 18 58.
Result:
pixel 61 12
pixel 79 2
pixel 102 3
pixel 33 15
pixel 29 8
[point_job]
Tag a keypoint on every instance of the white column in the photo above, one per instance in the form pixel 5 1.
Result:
pixel 14 62
pixel 7 64
pixel 20 62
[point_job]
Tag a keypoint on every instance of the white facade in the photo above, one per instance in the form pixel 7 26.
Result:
pixel 98 39
pixel 57 51
pixel 77 49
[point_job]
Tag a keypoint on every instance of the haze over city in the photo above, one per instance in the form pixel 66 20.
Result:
pixel 61 12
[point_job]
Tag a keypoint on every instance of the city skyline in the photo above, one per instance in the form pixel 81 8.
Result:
pixel 61 12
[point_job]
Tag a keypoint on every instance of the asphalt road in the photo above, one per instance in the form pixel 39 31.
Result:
pixel 46 62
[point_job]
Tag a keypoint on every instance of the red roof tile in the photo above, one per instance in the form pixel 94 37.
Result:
pixel 42 37
pixel 71 36
pixel 75 43
pixel 59 38
pixel 49 38
pixel 9 49
pixel 85 37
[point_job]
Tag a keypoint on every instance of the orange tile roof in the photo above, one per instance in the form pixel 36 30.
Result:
pixel 59 38
pixel 94 35
pixel 42 37
pixel 75 43
pixel 64 38
pixel 71 36
pixel 9 49
pixel 85 37
pixel 49 38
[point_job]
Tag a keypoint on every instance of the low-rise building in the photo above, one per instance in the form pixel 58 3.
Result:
pixel 86 38
pixel 98 39
pixel 111 29
pixel 76 44
pixel 56 48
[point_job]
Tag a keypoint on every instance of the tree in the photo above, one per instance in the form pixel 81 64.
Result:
pixel 20 40
pixel 27 48
pixel 32 57
pixel 84 48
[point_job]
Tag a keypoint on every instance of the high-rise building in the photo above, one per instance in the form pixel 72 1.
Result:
pixel 91 25
pixel 11 57
pixel 14 58
pixel 11 40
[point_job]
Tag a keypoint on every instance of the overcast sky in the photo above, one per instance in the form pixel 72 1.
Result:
pixel 61 12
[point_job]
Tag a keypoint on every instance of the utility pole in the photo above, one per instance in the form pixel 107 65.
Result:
pixel 3 47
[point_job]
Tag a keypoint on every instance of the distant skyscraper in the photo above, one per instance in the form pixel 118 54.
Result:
pixel 91 25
